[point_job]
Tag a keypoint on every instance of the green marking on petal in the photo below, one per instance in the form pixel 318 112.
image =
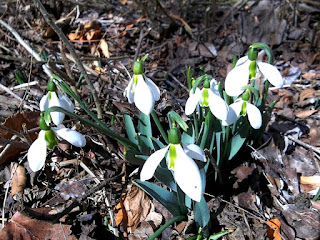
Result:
pixel 252 69
pixel 51 139
pixel 49 95
pixel 205 97
pixel 172 156
pixel 243 109
pixel 134 82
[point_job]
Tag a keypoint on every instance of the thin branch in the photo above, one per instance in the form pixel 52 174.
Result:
pixel 72 51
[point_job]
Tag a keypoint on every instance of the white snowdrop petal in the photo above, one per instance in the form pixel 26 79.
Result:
pixel 128 92
pixel 57 117
pixel 236 79
pixel 271 73
pixel 44 103
pixel 143 97
pixel 242 61
pixel 254 116
pixel 187 175
pixel 218 106
pixel 195 152
pixel 193 101
pixel 72 136
pixel 154 88
pixel 233 113
pixel 66 103
pixel 37 153
pixel 152 163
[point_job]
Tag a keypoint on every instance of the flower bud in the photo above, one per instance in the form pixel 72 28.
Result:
pixel 137 67
pixel 51 86
pixel 206 83
pixel 253 54
pixel 246 95
pixel 43 125
pixel 174 135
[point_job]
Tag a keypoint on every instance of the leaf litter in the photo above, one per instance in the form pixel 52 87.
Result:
pixel 268 192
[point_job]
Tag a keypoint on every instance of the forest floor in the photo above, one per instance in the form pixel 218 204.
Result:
pixel 276 179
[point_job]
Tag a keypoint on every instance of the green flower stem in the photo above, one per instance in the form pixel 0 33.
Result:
pixel 206 130
pixel 157 122
pixel 127 143
pixel 265 92
pixel 196 127
pixel 166 225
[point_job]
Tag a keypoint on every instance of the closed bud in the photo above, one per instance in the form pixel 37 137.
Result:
pixel 174 135
pixel 51 86
pixel 137 67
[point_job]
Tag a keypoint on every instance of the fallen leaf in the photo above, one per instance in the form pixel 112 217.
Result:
pixel 305 113
pixel 18 180
pixel 22 227
pixel 307 93
pixel 104 47
pixel 272 234
pixel 312 180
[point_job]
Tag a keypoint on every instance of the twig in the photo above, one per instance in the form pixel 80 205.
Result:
pixel 24 85
pixel 142 35
pixel 73 53
pixel 303 144
pixel 177 81
pixel 27 47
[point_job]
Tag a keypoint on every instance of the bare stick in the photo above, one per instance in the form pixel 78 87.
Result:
pixel 72 52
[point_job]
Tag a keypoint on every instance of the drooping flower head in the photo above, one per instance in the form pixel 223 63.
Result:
pixel 246 69
pixel 208 96
pixel 54 99
pixel 141 90
pixel 243 107
pixel 179 159
pixel 48 138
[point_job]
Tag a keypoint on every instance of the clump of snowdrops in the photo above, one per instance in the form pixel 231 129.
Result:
pixel 221 122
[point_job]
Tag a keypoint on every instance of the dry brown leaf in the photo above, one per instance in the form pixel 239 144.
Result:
pixel 312 180
pixel 305 113
pixel 18 122
pixel 272 234
pixel 104 47
pixel 19 180
pixel 22 227
pixel 307 93
pixel 137 205
pixel 73 36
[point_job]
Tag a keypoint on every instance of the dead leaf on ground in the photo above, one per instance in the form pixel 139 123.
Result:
pixel 312 180
pixel 135 208
pixel 272 234
pixel 22 227
pixel 18 180
pixel 104 47
pixel 305 113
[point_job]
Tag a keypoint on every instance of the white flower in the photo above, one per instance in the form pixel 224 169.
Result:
pixel 208 97
pixel 254 114
pixel 239 76
pixel 143 92
pixel 38 150
pixel 179 160
pixel 51 99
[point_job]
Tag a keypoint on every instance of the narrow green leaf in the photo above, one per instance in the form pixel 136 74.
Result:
pixel 173 116
pixel 166 198
pixel 188 137
pixel 157 143
pixel 144 126
pixel 135 157
pixel 219 235
pixel 164 175
pixel 130 128
pixel 201 213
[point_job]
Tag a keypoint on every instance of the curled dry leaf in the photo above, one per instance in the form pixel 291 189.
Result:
pixel 312 180
pixel 272 234
pixel 18 180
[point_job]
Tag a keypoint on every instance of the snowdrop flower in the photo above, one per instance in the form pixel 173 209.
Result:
pixel 52 99
pixel 48 138
pixel 242 107
pixel 245 69
pixel 141 90
pixel 180 160
pixel 210 97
